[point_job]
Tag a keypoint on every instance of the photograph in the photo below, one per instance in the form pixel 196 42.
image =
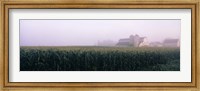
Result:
pixel 99 44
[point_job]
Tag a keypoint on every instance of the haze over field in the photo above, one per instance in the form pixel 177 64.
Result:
pixel 89 32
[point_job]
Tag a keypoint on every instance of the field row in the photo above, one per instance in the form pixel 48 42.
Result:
pixel 99 59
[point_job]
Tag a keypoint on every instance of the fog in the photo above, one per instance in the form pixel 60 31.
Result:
pixel 89 32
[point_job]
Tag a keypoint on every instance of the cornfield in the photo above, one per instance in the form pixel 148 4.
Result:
pixel 82 58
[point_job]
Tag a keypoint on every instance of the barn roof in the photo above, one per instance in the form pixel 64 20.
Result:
pixel 142 38
pixel 171 40
pixel 124 40
pixel 123 43
pixel 155 43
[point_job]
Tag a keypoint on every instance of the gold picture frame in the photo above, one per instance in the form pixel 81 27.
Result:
pixel 154 86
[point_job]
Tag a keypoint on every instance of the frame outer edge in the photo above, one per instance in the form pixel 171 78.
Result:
pixel 197 38
pixel 198 47
pixel 99 2
pixel 194 45
pixel 1 48
pixel 6 45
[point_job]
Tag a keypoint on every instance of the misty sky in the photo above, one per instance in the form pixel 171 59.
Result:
pixel 89 32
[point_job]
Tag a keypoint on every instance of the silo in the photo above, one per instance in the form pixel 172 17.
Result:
pixel 136 40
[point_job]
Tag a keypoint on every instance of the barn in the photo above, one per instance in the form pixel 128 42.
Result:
pixel 134 41
pixel 171 43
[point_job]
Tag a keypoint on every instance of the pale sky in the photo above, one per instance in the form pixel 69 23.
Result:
pixel 89 32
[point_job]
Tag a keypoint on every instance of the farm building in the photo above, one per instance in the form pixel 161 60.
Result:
pixel 155 44
pixel 171 43
pixel 106 43
pixel 133 40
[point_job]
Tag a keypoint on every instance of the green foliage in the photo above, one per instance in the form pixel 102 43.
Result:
pixel 99 59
